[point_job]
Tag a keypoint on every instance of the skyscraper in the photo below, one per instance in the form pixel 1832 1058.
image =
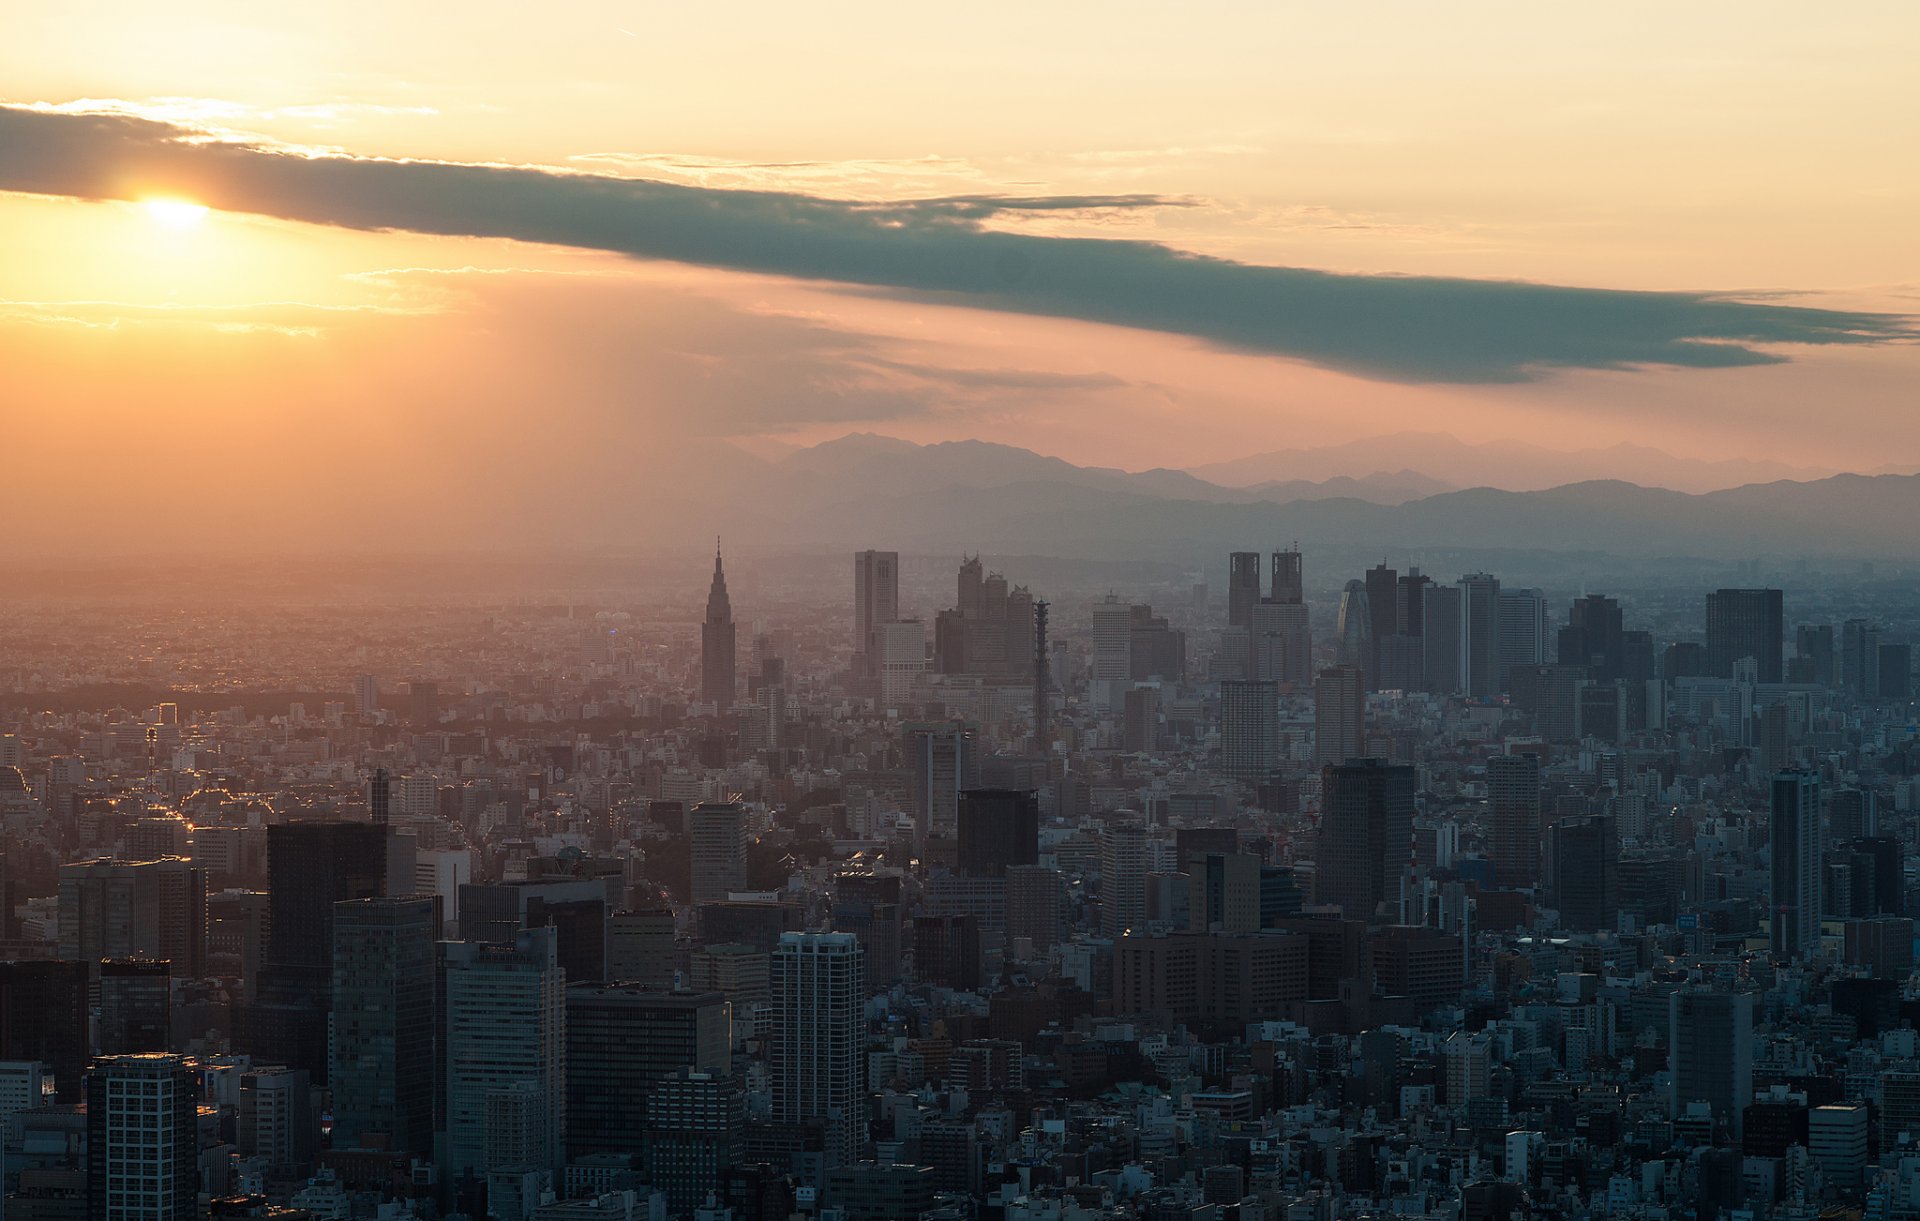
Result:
pixel 1288 586
pixel 718 655
pixel 876 596
pixel 1513 806
pixel 383 1031
pixel 1479 634
pixel 1794 842
pixel 817 1066
pixel 1249 729
pixel 1523 631
pixel 1339 714
pixel 1710 1052
pixel 1366 835
pixel 622 1041
pixel 1745 623
pixel 999 828
pixel 135 909
pixel 136 1006
pixel 1440 638
pixel 1243 587
pixel 1585 867
pixel 143 1140
pixel 1382 585
pixel 718 852
pixel 43 1017
pixel 1594 638
pixel 1355 627
pixel 506 1022
pixel 945 763
pixel 1123 877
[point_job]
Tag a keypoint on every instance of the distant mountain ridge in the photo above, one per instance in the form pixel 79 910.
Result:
pixel 976 496
pixel 1514 465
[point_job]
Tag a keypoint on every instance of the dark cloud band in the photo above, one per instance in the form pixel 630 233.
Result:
pixel 1397 328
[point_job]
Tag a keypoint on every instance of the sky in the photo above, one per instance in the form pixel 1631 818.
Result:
pixel 361 256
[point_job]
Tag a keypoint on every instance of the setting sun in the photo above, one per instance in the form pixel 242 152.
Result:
pixel 175 213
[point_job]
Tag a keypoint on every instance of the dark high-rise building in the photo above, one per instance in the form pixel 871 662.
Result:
pixel 1585 856
pixel 1249 729
pixel 310 867
pixel 1896 672
pixel 143 1139
pixel 1860 657
pixel 1815 659
pixel 621 1041
pixel 136 1006
pixel 694 1124
pixel 876 597
pixel 1480 658
pixel 423 704
pixel 384 1036
pixel 577 909
pixel 946 951
pixel 1710 1050
pixel 1366 835
pixel 1854 813
pixel 999 828
pixel 1595 639
pixel 1383 607
pixel 1339 714
pixel 1745 623
pixel 1288 585
pixel 1243 587
pixel 43 1017
pixel 1036 905
pixel 380 797
pixel 1794 843
pixel 135 909
pixel 1440 638
pixel 719 657
pixel 1513 805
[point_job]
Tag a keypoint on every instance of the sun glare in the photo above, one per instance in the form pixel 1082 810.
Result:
pixel 175 213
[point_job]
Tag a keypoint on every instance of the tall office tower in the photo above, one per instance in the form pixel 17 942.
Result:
pixel 718 850
pixel 1854 814
pixel 1140 721
pixel 719 657
pixel 1523 630
pixel 621 1042
pixel 694 1125
pixel 1383 591
pixel 1860 657
pixel 43 1017
pixel 1794 838
pixel 1036 905
pixel 136 1006
pixel 385 1014
pixel 946 951
pixel 817 1063
pixel 135 909
pixel 366 694
pixel 1837 1140
pixel 641 950
pixel 1243 587
pixel 1594 638
pixel 506 1030
pixel 1354 627
pixel 143 1140
pixel 423 704
pixel 1440 639
pixel 1409 603
pixel 1249 729
pixel 276 1119
pixel 1710 1053
pixel 1111 665
pixel 1479 634
pixel 945 763
pixel 897 656
pixel 1042 683
pixel 1815 655
pixel 1339 714
pixel 1895 677
pixel 1279 644
pixel 1514 808
pixel 1288 587
pixel 1123 878
pixel 380 797
pixel 876 595
pixel 999 828
pixel 310 867
pixel 576 908
pixel 1223 892
pixel 1366 835
pixel 1585 854
pixel 1745 623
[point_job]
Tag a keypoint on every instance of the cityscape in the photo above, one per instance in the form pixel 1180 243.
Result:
pixel 1011 612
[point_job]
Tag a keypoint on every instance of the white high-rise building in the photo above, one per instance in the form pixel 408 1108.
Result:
pixel 819 1046
pixel 898 652
pixel 143 1140
pixel 506 1032
pixel 419 794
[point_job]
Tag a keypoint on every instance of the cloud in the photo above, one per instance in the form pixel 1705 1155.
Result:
pixel 945 249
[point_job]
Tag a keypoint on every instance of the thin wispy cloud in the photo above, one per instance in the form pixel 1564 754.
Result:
pixel 946 249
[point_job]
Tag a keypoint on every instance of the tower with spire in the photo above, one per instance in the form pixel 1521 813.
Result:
pixel 718 658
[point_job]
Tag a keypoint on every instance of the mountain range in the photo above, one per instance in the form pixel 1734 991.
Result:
pixel 970 495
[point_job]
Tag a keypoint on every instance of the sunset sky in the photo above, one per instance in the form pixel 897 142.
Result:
pixel 439 242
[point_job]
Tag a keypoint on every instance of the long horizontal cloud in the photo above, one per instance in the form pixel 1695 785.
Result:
pixel 1388 327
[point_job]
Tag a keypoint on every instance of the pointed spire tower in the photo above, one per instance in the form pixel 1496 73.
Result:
pixel 718 656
